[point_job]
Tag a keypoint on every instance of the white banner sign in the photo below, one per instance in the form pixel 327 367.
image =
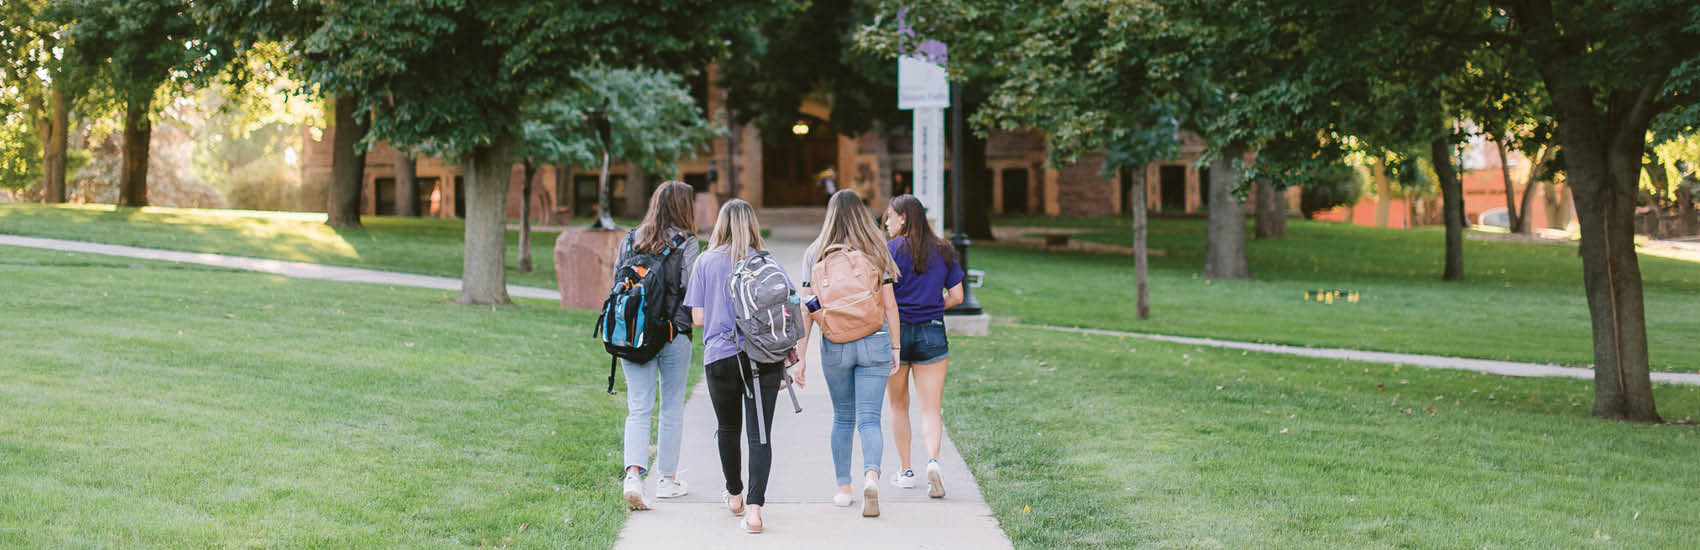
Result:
pixel 921 84
pixel 928 163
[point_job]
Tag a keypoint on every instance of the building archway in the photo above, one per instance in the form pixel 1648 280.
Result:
pixel 792 164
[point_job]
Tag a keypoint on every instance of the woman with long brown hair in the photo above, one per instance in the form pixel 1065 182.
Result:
pixel 859 335
pixel 930 282
pixel 669 224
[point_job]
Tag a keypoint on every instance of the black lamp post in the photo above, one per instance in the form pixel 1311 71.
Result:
pixel 598 118
pixel 959 239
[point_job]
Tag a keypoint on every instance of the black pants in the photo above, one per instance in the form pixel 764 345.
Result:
pixel 726 391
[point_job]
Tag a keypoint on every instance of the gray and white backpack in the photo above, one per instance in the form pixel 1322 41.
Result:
pixel 765 309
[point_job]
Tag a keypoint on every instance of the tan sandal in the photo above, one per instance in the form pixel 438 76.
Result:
pixel 751 529
pixel 727 497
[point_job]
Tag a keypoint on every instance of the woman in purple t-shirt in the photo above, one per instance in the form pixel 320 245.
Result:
pixel 930 282
pixel 736 236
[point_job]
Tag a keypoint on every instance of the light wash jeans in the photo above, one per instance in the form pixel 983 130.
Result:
pixel 672 366
pixel 855 378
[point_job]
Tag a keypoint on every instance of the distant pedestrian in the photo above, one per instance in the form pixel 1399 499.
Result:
pixel 733 388
pixel 670 226
pixel 849 273
pixel 929 282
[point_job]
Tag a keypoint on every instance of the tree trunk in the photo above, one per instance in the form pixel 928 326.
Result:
pixel 1511 210
pixel 1685 204
pixel 1224 246
pixel 1383 193
pixel 525 216
pixel 484 271
pixel 1141 263
pixel 637 191
pixel 1452 198
pixel 1271 212
pixel 348 167
pixel 138 135
pixel 407 183
pixel 1603 171
pixel 1528 204
pixel 565 196
pixel 52 128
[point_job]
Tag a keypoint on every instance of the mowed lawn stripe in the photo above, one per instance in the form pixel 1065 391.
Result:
pixel 151 405
pixel 1095 441
pixel 1522 302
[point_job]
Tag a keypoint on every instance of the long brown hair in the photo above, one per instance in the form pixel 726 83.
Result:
pixel 918 235
pixel 738 229
pixel 672 206
pixel 848 221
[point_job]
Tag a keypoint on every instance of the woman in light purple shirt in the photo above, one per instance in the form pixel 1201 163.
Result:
pixel 736 236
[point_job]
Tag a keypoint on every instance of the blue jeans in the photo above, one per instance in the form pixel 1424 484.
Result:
pixel 855 378
pixel 672 366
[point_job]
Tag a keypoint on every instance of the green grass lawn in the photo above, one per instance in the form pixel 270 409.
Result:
pixel 429 246
pixel 151 404
pixel 1101 442
pixel 1520 301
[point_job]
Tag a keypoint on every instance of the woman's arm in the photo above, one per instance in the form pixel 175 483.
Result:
pixel 892 326
pixel 696 316
pixel 953 297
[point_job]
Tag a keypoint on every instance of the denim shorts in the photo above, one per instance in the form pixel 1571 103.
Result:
pixel 925 343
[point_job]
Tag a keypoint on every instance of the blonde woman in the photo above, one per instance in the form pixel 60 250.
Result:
pixel 855 371
pixel 736 236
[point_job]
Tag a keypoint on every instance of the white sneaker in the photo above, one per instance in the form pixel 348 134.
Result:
pixel 634 492
pixel 905 480
pixel 671 487
pixel 842 500
pixel 870 499
pixel 935 480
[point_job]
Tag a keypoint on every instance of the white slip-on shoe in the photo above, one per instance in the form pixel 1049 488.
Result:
pixel 935 480
pixel 905 480
pixel 870 499
pixel 634 492
pixel 842 500
pixel 671 487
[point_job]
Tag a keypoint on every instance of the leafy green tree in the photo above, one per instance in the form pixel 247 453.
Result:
pixel 127 53
pixel 654 121
pixel 257 28
pixel 1078 72
pixel 32 67
pixel 394 58
pixel 1608 69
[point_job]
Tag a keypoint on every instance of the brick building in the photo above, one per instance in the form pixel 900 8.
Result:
pixel 777 172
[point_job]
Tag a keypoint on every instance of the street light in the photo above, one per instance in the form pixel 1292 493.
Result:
pixel 598 118
pixel 801 128
pixel 969 305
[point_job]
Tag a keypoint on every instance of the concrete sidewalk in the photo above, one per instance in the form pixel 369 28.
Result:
pixel 1490 366
pixel 300 270
pixel 799 511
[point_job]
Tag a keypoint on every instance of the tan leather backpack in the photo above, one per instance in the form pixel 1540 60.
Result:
pixel 848 285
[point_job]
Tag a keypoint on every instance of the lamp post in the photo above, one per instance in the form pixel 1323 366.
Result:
pixel 604 132
pixel 959 239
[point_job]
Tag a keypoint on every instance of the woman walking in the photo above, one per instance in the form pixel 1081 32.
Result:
pixel 929 282
pixel 736 237
pixel 669 227
pixel 849 272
